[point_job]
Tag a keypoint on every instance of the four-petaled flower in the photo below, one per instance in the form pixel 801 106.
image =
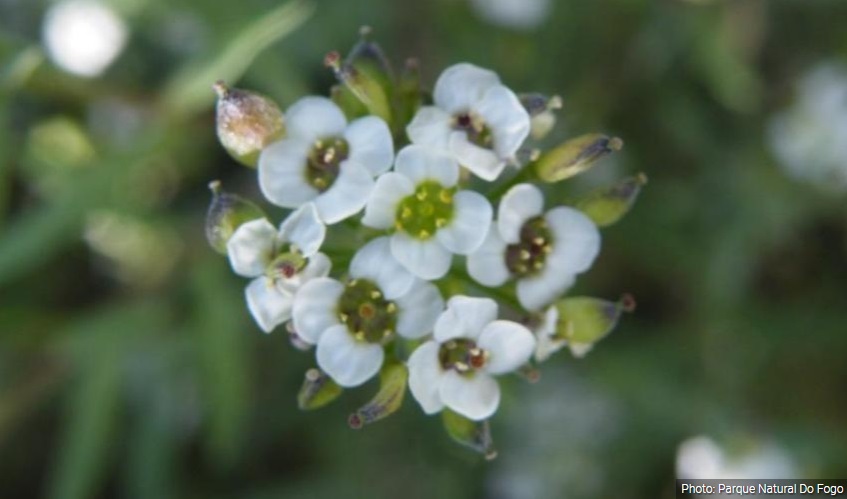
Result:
pixel 475 117
pixel 470 346
pixel 430 219
pixel 326 160
pixel 279 261
pixel 351 323
pixel 543 251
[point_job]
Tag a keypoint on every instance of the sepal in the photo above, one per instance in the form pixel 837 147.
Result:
pixel 392 388
pixel 475 435
pixel 575 156
pixel 226 212
pixel 317 391
pixel 607 205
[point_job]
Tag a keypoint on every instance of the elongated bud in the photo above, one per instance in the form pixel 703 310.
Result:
pixel 247 123
pixel 583 321
pixel 475 435
pixel 542 111
pixel 575 156
pixel 317 391
pixel 392 388
pixel 368 56
pixel 409 93
pixel 351 106
pixel 362 85
pixel 226 212
pixel 607 205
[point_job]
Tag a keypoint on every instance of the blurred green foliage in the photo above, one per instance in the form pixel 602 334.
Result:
pixel 129 366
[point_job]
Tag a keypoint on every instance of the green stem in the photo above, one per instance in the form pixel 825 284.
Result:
pixel 527 173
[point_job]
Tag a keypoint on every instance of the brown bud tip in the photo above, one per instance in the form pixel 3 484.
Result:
pixel 333 60
pixel 215 187
pixel 491 455
pixel 641 178
pixel 555 102
pixel 616 143
pixel 313 374
pixel 628 303
pixel 365 31
pixel 220 87
pixel 355 421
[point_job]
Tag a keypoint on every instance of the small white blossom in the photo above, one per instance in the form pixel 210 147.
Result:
pixel 326 160
pixel 351 322
pixel 279 261
pixel 475 117
pixel 431 221
pixel 543 251
pixel 470 346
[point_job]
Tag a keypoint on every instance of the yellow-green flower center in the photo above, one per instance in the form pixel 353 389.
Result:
pixel 324 162
pixel 529 255
pixel 430 208
pixel 366 313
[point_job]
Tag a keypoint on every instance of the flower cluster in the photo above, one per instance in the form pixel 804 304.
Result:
pixel 453 270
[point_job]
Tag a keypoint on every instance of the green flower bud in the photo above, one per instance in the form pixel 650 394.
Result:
pixel 575 156
pixel 409 95
pixel 368 56
pixel 343 98
pixel 226 212
pixel 392 388
pixel 475 435
pixel 542 114
pixel 363 85
pixel 583 321
pixel 317 391
pixel 247 123
pixel 607 205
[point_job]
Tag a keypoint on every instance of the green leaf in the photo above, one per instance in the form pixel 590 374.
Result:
pixel 607 205
pixel 392 388
pixel 475 435
pixel 575 156
pixel 317 391
pixel 190 90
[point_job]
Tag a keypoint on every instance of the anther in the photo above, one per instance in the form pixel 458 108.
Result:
pixel 538 241
pixel 359 335
pixel 440 222
pixel 421 194
pixel 376 295
pixel 344 318
pixel 461 366
pixel 445 196
pixel 424 234
pixel 353 283
pixel 407 212
pixel 320 183
pixel 547 249
pixel 391 307
pixel 538 265
pixel 525 254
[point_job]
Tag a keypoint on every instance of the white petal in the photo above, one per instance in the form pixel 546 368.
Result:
pixel 576 240
pixel 251 246
pixel 508 120
pixel 375 262
pixel 370 144
pixel 347 361
pixel 470 224
pixel 418 309
pixel 482 162
pixel 465 317
pixel 425 259
pixel 318 265
pixel 518 205
pixel 347 195
pixel 430 127
pixel 462 85
pixel 304 229
pixel 537 291
pixel 425 375
pixel 475 397
pixel 267 305
pixel 381 209
pixel 487 265
pixel 313 118
pixel 282 173
pixel 421 163
pixel 315 308
pixel 508 344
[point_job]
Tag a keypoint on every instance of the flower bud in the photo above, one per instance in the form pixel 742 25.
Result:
pixel 409 95
pixel 392 388
pixel 343 98
pixel 583 321
pixel 368 56
pixel 247 122
pixel 575 156
pixel 607 205
pixel 362 84
pixel 475 435
pixel 542 114
pixel 226 212
pixel 317 391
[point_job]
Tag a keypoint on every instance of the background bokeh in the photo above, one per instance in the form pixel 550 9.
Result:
pixel 129 366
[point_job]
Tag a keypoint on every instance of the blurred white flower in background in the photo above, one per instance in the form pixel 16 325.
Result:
pixel 702 458
pixel 810 137
pixel 515 14
pixel 83 36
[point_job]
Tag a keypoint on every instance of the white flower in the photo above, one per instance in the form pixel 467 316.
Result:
pixel 278 261
pixel 431 220
pixel 477 119
pixel 543 251
pixel 324 159
pixel 470 346
pixel 350 323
